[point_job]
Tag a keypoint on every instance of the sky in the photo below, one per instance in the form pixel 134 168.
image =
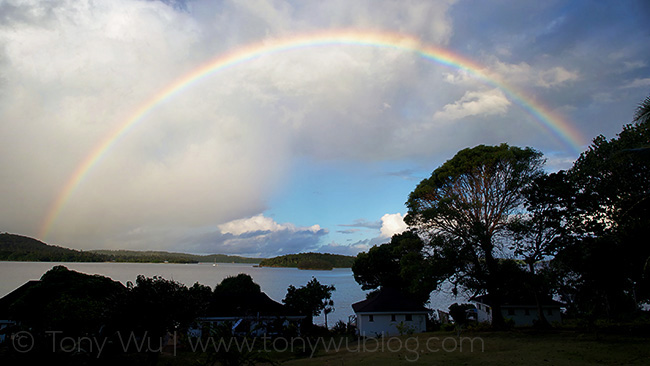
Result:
pixel 119 129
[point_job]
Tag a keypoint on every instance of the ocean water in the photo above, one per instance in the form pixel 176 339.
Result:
pixel 273 281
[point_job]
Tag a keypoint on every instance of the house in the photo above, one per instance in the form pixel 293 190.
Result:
pixel 5 303
pixel 388 311
pixel 521 309
pixel 251 313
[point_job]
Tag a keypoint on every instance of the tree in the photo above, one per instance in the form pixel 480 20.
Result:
pixel 610 216
pixel 155 306
pixel 642 114
pixel 311 299
pixel 467 201
pixel 69 301
pixel 459 313
pixel 399 264
pixel 541 231
pixel 240 284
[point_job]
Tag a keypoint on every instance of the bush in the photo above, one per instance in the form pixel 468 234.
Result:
pixel 404 328
pixel 448 327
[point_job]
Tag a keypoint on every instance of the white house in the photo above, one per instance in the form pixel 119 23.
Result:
pixel 387 312
pixel 523 311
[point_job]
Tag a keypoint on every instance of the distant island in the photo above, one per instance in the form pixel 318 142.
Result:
pixel 22 248
pixel 319 261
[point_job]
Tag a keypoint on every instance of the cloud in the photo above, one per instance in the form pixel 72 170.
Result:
pixel 555 77
pixel 637 83
pixel 73 72
pixel 475 103
pixel 261 223
pixel 392 224
pixel 349 231
pixel 364 224
pixel 406 174
pixel 350 249
pixel 258 236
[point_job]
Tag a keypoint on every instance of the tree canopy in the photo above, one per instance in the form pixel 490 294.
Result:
pixel 399 264
pixel 311 299
pixel 608 212
pixel 240 284
pixel 322 261
pixel 467 202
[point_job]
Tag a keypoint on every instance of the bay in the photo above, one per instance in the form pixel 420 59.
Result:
pixel 273 281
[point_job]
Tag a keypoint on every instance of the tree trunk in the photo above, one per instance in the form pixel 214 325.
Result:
pixel 541 319
pixel 498 322
pixel 492 285
pixel 542 322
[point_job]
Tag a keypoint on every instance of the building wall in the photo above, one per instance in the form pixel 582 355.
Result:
pixel 521 315
pixel 384 325
pixel 483 313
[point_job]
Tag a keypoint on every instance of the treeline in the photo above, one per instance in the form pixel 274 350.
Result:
pixel 59 315
pixel 320 261
pixel 162 256
pixel 22 248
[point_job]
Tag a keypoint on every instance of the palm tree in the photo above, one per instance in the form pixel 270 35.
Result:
pixel 642 113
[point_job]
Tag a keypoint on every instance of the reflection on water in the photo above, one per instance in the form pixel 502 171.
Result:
pixel 274 281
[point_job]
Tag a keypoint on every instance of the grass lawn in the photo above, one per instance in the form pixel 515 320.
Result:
pixel 487 348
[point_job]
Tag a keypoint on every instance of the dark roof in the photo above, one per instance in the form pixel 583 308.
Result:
pixel 246 304
pixel 521 300
pixel 388 300
pixel 10 298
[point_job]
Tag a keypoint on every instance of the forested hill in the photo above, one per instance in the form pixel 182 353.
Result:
pixel 161 256
pixel 324 261
pixel 22 248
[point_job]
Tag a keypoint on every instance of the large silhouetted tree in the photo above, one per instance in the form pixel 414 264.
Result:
pixel 468 200
pixel 610 215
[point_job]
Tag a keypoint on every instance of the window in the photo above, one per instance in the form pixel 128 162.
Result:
pixel 487 309
pixel 527 312
pixel 371 318
pixel 409 317
pixel 479 306
pixel 392 318
pixel 511 311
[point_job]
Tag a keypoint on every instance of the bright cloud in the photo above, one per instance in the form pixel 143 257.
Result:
pixel 392 224
pixel 261 223
pixel 475 103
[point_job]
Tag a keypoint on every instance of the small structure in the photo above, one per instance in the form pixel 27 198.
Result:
pixel 389 312
pixel 247 314
pixel 522 310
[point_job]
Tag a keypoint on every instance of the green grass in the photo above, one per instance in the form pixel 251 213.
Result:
pixel 506 348
pixel 517 347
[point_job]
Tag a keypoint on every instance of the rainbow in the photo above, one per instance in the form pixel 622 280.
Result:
pixel 553 123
